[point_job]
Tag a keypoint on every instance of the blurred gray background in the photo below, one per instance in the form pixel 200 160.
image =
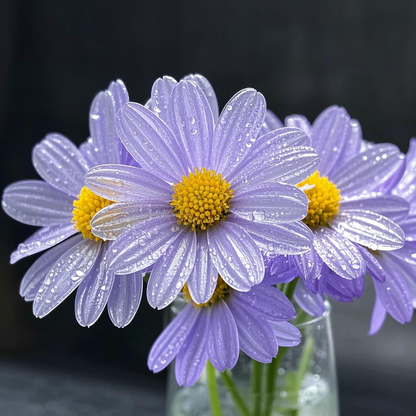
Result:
pixel 304 56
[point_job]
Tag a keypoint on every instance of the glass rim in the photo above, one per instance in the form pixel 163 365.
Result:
pixel 318 318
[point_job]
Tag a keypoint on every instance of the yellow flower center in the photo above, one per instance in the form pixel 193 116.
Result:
pixel 222 291
pixel 86 206
pixel 324 200
pixel 201 199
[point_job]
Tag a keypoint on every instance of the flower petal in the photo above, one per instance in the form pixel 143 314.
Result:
pixel 271 203
pixel 378 317
pixel 203 279
pixel 287 335
pixel 339 254
pixel 235 256
pixel 299 121
pixel 392 207
pixel 192 357
pixel 113 220
pixel 257 338
pixel 93 292
pixel 122 183
pixel 103 129
pixel 366 172
pixel 89 151
pixel 271 122
pixel 409 228
pixel 309 266
pixel 368 229
pixel 265 302
pixel 192 122
pixel 281 269
pixel 65 276
pixel 37 203
pixel 237 129
pixel 161 91
pixel 172 270
pixel 119 93
pixel 406 188
pixel 208 90
pixel 223 344
pixel 330 133
pixel 37 273
pixel 58 161
pixel 125 298
pixel 291 238
pixel 374 268
pixel 352 145
pixel 170 341
pixel 407 253
pixel 343 290
pixel 42 239
pixel 150 141
pixel 140 246
pixel 312 304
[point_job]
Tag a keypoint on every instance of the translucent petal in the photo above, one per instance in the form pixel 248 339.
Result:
pixel 192 357
pixel 192 122
pixel 287 335
pixel 119 92
pixel 42 239
pixel 172 270
pixel 281 269
pixel 378 317
pixel 312 304
pixel 140 246
pixel 367 171
pixel 223 344
pixel 343 290
pixel 406 188
pixel 161 90
pixel 374 268
pixel 271 122
pixel 368 229
pixel 113 220
pixel 93 292
pixel 299 121
pixel 170 341
pixel 291 238
pixel 407 253
pixel 237 129
pixel 409 228
pixel 37 273
pixel 65 276
pixel 339 254
pixel 125 298
pixel 89 152
pixel 235 256
pixel 60 163
pixel 204 276
pixel 309 266
pixel 122 183
pixel 271 203
pixel 150 141
pixel 37 203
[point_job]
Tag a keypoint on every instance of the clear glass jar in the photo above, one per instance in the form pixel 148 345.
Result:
pixel 306 383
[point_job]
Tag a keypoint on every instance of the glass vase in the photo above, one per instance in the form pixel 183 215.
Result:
pixel 301 382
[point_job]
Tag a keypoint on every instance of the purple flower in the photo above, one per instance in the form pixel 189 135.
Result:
pixel 211 195
pixel 63 207
pixel 255 321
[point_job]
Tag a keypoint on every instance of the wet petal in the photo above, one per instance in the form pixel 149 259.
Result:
pixel 339 254
pixel 313 305
pixel 406 188
pixel 366 172
pixel 140 246
pixel 271 122
pixel 378 317
pixel 34 277
pixel 193 355
pixel 172 270
pixel 309 266
pixel 161 91
pixel 65 276
pixel 203 279
pixel 113 220
pixel 93 292
pixel 42 239
pixel 223 344
pixel 409 228
pixel 125 298
pixel 271 203
pixel 299 121
pixel 374 268
pixel 352 145
pixel 37 203
pixel 287 335
pixel 291 238
pixel 235 256
pixel 170 341
pixel 192 122
pixel 237 129
pixel 119 92
pixel 407 253
pixel 343 290
pixel 122 183
pixel 281 270
pixel 368 229
pixel 89 152
pixel 58 161
pixel 150 141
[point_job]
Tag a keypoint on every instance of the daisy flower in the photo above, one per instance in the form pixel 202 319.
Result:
pixel 63 207
pixel 210 196
pixel 254 321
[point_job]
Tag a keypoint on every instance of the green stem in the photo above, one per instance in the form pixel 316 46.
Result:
pixel 256 386
pixel 235 395
pixel 213 390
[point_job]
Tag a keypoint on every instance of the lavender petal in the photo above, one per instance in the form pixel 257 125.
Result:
pixel 287 335
pixel 161 91
pixel 378 317
pixel 299 121
pixel 313 305
pixel 271 122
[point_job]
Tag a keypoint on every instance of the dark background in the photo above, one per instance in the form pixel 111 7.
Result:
pixel 303 55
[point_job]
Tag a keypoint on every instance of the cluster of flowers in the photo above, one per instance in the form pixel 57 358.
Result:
pixel 219 209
